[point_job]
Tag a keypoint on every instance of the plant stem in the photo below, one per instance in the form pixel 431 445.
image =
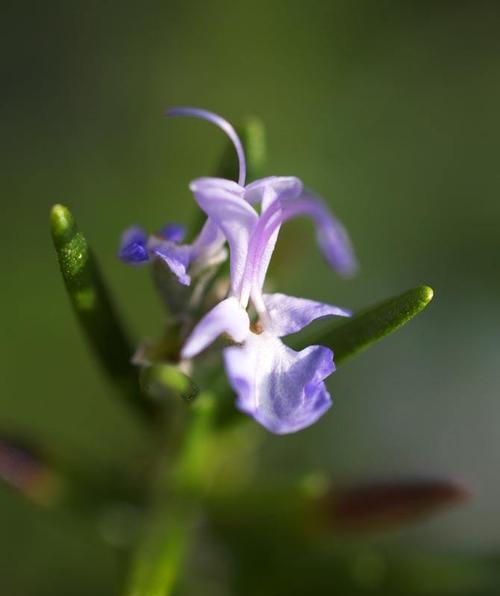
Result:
pixel 162 551
pixel 176 505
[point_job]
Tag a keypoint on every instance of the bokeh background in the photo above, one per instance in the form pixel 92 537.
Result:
pixel 387 109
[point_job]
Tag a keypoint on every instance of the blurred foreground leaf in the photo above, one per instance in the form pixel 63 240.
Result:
pixel 93 306
pixel 26 471
pixel 358 332
pixel 387 505
pixel 56 478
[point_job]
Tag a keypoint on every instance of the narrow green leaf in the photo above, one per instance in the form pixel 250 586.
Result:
pixel 164 381
pixel 93 306
pixel 358 332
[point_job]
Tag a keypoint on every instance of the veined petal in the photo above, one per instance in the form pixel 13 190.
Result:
pixel 227 317
pixel 215 183
pixel 271 192
pixel 280 388
pixel 267 189
pixel 133 247
pixel 288 314
pixel 223 202
pixel 176 256
pixel 261 248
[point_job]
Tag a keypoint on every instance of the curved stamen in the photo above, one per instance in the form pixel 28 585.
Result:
pixel 222 124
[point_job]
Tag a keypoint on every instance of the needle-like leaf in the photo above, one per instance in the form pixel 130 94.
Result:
pixel 358 332
pixel 93 306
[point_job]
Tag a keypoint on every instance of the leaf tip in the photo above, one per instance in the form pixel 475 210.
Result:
pixel 427 294
pixel 62 223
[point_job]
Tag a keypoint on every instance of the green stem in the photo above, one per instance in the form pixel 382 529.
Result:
pixel 171 524
pixel 161 553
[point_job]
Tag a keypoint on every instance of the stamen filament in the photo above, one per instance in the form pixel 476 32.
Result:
pixel 223 125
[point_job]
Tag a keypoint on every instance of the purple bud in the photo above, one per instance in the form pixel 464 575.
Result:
pixel 133 248
pixel 173 232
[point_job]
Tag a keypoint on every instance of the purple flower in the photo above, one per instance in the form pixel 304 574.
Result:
pixel 184 260
pixel 282 389
pixel 137 248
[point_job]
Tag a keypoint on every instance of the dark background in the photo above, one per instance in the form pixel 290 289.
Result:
pixel 390 110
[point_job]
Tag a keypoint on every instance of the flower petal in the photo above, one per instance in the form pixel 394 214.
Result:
pixel 133 247
pixel 270 192
pixel 208 248
pixel 176 256
pixel 267 189
pixel 280 388
pixel 288 314
pixel 227 317
pixel 223 202
pixel 331 235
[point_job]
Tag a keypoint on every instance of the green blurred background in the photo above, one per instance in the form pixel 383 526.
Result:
pixel 390 110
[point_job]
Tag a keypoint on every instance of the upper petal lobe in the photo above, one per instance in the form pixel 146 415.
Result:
pixel 223 202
